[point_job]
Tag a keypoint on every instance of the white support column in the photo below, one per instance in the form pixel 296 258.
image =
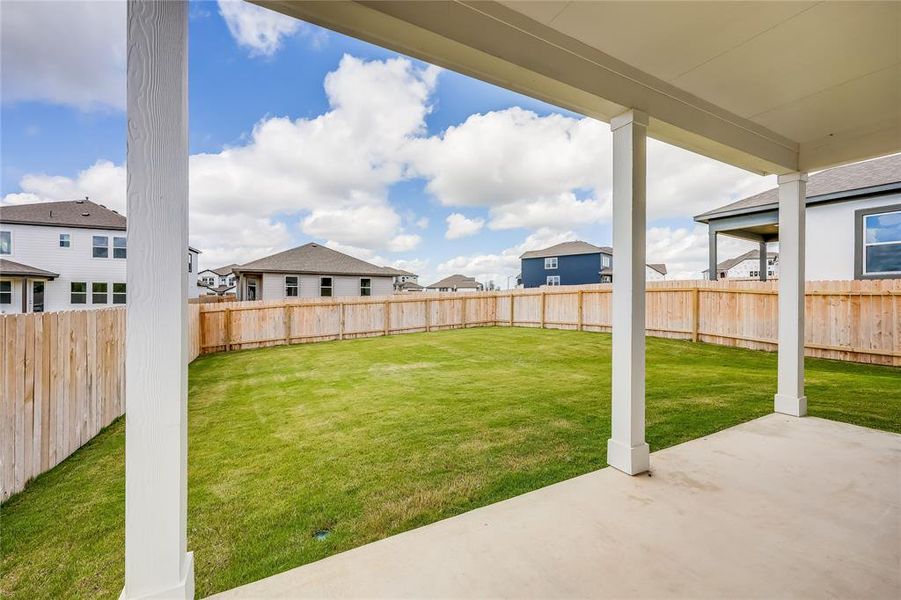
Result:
pixel 157 564
pixel 790 397
pixel 626 449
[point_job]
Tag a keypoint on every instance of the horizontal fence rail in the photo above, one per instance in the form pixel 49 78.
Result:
pixel 64 373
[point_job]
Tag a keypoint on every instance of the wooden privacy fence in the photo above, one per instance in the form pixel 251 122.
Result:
pixel 63 381
pixel 845 320
pixel 64 373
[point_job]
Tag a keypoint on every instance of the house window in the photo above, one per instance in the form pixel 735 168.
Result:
pixel 550 262
pixel 605 260
pixel 119 247
pixel 190 263
pixel 100 246
pixel 78 292
pixel 754 274
pixel 118 293
pixel 6 242
pixel 880 254
pixel 365 286
pixel 325 286
pixel 553 280
pixel 99 292
pixel 291 286
pixel 65 240
pixel 6 292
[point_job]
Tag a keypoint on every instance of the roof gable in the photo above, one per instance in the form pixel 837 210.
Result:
pixel 455 281
pixel 567 249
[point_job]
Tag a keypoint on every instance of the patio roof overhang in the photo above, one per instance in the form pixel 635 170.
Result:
pixel 762 86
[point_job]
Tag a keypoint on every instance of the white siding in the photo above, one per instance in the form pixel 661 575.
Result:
pixel 743 269
pixel 193 289
pixel 38 246
pixel 342 286
pixel 830 237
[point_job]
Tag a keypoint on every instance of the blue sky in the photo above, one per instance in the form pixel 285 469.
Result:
pixel 394 161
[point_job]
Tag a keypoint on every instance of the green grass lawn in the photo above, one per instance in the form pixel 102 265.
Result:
pixel 368 438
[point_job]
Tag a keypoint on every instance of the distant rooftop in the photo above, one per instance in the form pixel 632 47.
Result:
pixel 315 258
pixel 455 281
pixel 70 213
pixel 735 260
pixel 567 249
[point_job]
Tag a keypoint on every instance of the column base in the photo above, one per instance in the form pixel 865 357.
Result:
pixel 183 591
pixel 795 406
pixel 630 460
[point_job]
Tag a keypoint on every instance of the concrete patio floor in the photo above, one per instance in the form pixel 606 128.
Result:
pixel 777 507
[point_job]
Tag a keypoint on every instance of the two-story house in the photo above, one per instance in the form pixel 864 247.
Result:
pixel 574 263
pixel 219 281
pixel 747 266
pixel 65 255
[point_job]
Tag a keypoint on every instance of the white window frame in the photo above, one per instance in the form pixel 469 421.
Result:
pixel 124 248
pixel 368 288
pixel 105 292
pixel 553 280
pixel 11 245
pixel 6 282
pixel 551 262
pixel 120 297
pixel 73 293
pixel 68 240
pixel 330 287
pixel 295 286
pixel 95 247
pixel 605 261
pixel 865 244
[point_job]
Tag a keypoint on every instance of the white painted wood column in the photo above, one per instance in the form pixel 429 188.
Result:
pixel 790 397
pixel 626 449
pixel 157 564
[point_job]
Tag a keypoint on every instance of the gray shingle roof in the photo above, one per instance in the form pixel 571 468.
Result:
pixel 14 269
pixel 314 258
pixel 567 249
pixel 659 267
pixel 71 213
pixel 455 281
pixel 410 285
pixel 749 255
pixel 862 175
pixel 224 271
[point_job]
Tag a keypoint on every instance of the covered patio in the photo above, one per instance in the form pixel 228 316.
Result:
pixel 721 516
pixel 778 88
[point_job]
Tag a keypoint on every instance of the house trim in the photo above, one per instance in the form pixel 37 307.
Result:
pixel 858 241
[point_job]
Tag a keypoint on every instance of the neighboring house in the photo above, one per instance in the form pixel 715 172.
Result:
pixel 219 281
pixel 852 221
pixel 65 255
pixel 408 287
pixel 574 263
pixel 309 271
pixel 403 277
pixel 747 266
pixel 456 283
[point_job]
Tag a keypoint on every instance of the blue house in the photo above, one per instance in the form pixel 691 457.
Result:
pixel 569 263
pixel 574 263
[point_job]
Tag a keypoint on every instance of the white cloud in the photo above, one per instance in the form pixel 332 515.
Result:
pixel 70 53
pixel 422 222
pixel 560 212
pixel 258 29
pixel 459 226
pixel 103 183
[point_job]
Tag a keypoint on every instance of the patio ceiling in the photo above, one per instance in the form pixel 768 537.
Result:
pixel 770 87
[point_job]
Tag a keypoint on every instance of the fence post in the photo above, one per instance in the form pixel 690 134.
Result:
pixel 341 321
pixel 287 319
pixel 228 329
pixel 512 304
pixel 695 313
pixel 580 310
pixel 543 305
pixel 387 318
pixel 464 311
pixel 428 316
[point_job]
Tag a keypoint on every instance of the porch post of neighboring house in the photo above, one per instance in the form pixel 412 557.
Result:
pixel 712 274
pixel 157 564
pixel 626 449
pixel 790 397
pixel 762 263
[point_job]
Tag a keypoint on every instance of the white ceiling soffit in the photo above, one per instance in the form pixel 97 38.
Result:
pixel 771 87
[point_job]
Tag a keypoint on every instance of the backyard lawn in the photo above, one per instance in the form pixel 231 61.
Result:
pixel 300 452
